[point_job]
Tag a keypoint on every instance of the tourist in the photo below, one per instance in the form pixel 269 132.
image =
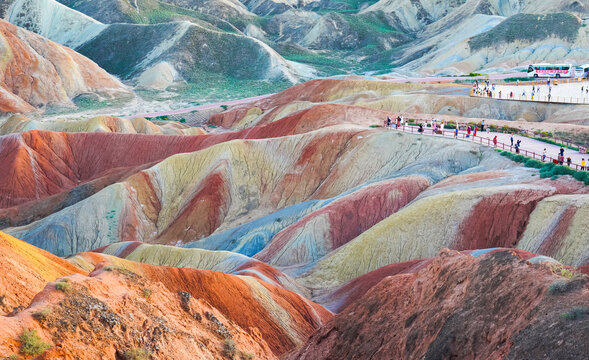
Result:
pixel 475 132
pixel 549 97
pixel 495 141
pixel 561 151
pixel 420 130
pixel 488 130
pixel 560 159
pixel 511 140
pixel 517 148
pixel 456 132
pixel 388 123
pixel 583 164
pixel 511 95
pixel 468 131
pixel 569 161
pixel 544 155
pixel 483 122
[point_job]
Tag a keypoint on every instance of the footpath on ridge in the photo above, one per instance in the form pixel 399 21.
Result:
pixel 529 146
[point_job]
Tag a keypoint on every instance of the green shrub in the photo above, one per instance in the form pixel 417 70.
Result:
pixel 42 315
pixel 136 354
pixel 146 293
pixel 224 107
pixel 64 286
pixel 559 287
pixel 576 313
pixel 32 344
pixel 183 120
pixel 246 356
pixel 229 348
pixel 532 163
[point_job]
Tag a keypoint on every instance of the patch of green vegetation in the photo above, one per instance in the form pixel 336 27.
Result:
pixel 32 344
pixel 529 28
pixel 216 88
pixel 576 313
pixel 565 272
pixel 136 354
pixel 63 285
pixel 369 24
pixel 514 79
pixel 42 315
pixel 13 357
pixel 548 170
pixel 146 293
pixel 229 348
pixel 246 356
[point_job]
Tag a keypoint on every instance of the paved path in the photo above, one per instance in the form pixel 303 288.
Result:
pixel 530 147
pixel 565 92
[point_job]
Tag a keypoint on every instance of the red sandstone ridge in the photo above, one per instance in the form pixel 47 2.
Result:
pixel 496 306
pixel 35 72
pixel 283 319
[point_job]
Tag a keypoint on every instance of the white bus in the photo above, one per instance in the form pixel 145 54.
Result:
pixel 551 70
pixel 582 71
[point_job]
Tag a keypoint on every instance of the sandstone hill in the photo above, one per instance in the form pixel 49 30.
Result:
pixel 37 73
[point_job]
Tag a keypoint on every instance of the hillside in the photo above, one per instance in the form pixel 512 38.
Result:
pixel 36 73
pixel 203 48
pixel 295 227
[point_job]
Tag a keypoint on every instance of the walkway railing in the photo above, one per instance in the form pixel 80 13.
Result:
pixel 483 141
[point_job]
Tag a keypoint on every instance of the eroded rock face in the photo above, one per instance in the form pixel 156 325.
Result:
pixel 459 306
pixel 283 319
pixel 35 72
pixel 112 314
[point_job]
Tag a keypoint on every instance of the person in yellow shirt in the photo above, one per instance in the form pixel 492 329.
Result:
pixel 583 164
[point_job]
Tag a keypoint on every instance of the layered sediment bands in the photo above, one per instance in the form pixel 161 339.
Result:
pixel 35 72
pixel 282 318
pixel 432 223
pixel 558 228
pixel 340 298
pixel 222 261
pixel 25 271
pixel 118 314
pixel 48 163
pixel 324 230
pixel 312 117
pixel 20 123
pixel 171 202
pixel 492 307
pixel 314 91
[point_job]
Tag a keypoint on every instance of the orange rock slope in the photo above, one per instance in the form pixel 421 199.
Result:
pixel 25 270
pixel 35 72
pixel 122 306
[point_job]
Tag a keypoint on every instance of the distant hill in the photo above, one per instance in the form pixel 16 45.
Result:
pixel 36 73
pixel 188 46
